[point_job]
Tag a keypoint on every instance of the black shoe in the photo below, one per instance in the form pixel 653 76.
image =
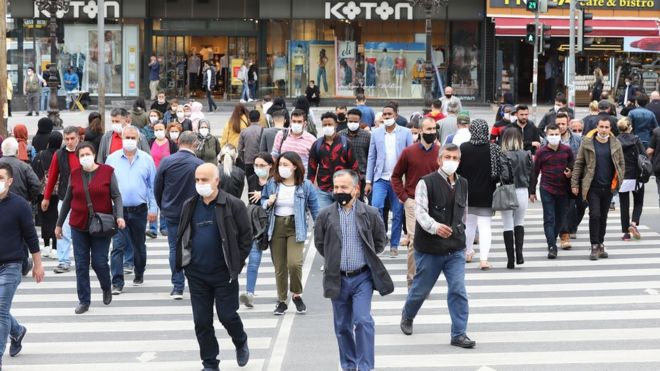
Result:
pixel 107 297
pixel 594 252
pixel 602 254
pixel 29 114
pixel 82 308
pixel 116 290
pixel 463 341
pixel 280 308
pixel 406 326
pixel 552 252
pixel 151 234
pixel 138 281
pixel 16 344
pixel 301 308
pixel 176 294
pixel 211 369
pixel 243 355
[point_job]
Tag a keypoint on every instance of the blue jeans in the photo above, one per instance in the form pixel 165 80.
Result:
pixel 428 270
pixel 119 241
pixel 382 189
pixel 354 326
pixel 178 279
pixel 163 224
pixel 245 94
pixel 209 98
pixel 64 245
pixel 554 213
pixel 253 89
pixel 136 224
pixel 96 247
pixel 45 96
pixel 321 75
pixel 253 268
pixel 324 199
pixel 10 278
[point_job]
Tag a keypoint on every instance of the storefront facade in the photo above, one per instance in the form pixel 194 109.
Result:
pixel 343 46
pixel 626 43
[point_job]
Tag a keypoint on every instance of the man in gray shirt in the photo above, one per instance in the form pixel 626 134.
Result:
pixel 269 134
pixel 449 125
pixel 249 141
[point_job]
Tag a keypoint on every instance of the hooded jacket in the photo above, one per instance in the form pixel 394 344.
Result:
pixel 585 164
pixel 44 128
pixel 632 147
pixel 196 115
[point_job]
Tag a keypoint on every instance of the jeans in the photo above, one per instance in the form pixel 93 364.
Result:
pixel 253 89
pixel 599 199
pixel 324 199
pixel 253 268
pixel 84 246
pixel 120 241
pixel 206 290
pixel 245 94
pixel 64 245
pixel 136 222
pixel 209 97
pixel 322 76
pixel 382 189
pixel 638 204
pixel 178 279
pixel 554 213
pixel 153 227
pixel 10 278
pixel 45 97
pixel 429 268
pixel 354 326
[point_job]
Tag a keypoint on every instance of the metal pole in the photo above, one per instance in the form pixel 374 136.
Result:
pixel 3 67
pixel 571 56
pixel 535 68
pixel 100 45
pixel 428 78
pixel 53 79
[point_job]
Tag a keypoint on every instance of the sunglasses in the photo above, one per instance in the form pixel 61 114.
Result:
pixel 577 131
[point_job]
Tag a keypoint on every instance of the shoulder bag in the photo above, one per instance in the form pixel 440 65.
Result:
pixel 99 224
pixel 504 197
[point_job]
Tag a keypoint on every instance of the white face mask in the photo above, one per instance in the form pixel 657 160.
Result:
pixel 117 128
pixel 153 120
pixel 204 132
pixel 627 83
pixel 204 190
pixel 261 172
pixel 606 136
pixel 328 131
pixel 557 107
pixel 553 139
pixel 180 115
pixel 187 114
pixel 296 128
pixel 160 134
pixel 129 145
pixel 389 122
pixel 3 187
pixel 174 135
pixel 285 172
pixel 87 162
pixel 449 167
pixel 161 101
pixel 353 126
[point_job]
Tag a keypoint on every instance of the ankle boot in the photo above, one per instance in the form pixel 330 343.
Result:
pixel 601 252
pixel 508 245
pixel 519 233
pixel 594 252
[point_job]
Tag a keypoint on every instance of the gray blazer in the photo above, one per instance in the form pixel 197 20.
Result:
pixel 327 238
pixel 104 146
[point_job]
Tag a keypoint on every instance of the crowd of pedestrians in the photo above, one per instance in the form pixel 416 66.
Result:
pixel 441 175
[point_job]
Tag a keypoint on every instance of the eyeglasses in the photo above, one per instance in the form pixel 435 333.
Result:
pixel 577 131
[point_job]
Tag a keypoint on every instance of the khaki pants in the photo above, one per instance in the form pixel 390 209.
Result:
pixel 411 221
pixel 153 87
pixel 287 255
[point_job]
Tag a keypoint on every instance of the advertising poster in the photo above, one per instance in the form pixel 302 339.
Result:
pixel 346 56
pixel 236 64
pixel 392 70
pixel 322 66
pixel 298 66
pixel 131 65
pixel 645 44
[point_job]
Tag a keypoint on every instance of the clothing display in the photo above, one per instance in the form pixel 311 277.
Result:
pixel 279 67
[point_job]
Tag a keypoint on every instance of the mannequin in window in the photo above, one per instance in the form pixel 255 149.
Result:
pixel 385 69
pixel 399 71
pixel 298 59
pixel 194 65
pixel 279 70
pixel 321 75
pixel 78 60
pixel 346 73
pixel 370 61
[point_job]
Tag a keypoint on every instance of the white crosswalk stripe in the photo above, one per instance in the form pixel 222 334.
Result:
pixel 568 313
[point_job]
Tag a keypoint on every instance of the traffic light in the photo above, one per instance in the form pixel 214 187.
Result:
pixel 583 29
pixel 545 38
pixel 533 5
pixel 531 33
pixel 544 5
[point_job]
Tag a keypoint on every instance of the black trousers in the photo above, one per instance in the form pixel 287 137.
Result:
pixel 599 199
pixel 205 291
pixel 638 204
pixel 576 209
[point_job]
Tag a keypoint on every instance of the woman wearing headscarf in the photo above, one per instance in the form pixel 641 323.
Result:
pixel 480 165
pixel 42 138
pixel 48 218
pixel 25 152
pixel 208 146
pixel 232 177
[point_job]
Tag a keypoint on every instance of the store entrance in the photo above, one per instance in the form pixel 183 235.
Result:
pixel 182 59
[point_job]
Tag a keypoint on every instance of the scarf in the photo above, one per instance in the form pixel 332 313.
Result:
pixel 21 135
pixel 479 137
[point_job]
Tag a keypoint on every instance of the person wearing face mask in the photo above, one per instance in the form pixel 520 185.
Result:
pixel 181 119
pixel 112 141
pixel 449 97
pixel 329 154
pixel 416 161
pixel 160 104
pixel 507 120
pixel 353 269
pixel 296 139
pixel 560 105
pixel 342 120
pixel 553 162
pixel 248 142
pixel 135 170
pixel 440 242
pixel 387 144
pixel 170 115
pixel 212 243
pixel 359 139
pixel 288 197
pixel 98 184
pixel 629 92
pixel 598 173
pixel 174 131
pixel 147 131
pixel 208 146
pixel 161 148
pixel 32 90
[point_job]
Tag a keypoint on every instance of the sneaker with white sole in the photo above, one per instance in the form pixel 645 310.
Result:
pixel 301 308
pixel 280 309
pixel 247 299
pixel 116 290
pixel 62 268
pixel 176 295
pixel 634 232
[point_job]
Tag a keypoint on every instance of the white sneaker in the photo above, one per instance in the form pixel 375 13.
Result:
pixel 243 101
pixel 46 251
pixel 53 254
pixel 250 100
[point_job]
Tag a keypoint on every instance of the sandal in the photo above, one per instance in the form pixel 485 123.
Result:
pixel 468 257
pixel 484 265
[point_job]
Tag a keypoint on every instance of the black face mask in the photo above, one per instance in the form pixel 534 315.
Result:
pixel 448 96
pixel 341 117
pixel 429 138
pixel 343 198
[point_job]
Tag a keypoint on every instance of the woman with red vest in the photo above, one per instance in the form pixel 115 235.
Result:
pixel 103 189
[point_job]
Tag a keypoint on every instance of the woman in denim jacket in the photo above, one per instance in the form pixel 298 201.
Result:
pixel 287 196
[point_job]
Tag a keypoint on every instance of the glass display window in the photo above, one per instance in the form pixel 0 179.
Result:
pixel 391 71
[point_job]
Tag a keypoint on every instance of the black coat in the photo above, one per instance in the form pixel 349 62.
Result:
pixel 327 239
pixel 475 167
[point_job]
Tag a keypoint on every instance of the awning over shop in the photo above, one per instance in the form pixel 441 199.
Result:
pixel 602 27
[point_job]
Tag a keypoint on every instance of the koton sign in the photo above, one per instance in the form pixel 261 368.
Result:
pixel 78 8
pixel 368 10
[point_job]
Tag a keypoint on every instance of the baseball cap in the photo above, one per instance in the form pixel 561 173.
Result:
pixel 463 118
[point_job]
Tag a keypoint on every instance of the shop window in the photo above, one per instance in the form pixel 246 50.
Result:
pixel 465 59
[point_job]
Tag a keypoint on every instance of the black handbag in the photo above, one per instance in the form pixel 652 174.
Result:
pixel 99 225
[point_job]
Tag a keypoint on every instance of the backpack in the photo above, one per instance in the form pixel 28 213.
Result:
pixel 645 167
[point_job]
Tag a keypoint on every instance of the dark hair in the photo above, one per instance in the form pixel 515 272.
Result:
pixel 267 98
pixel 521 107
pixel 642 99
pixel 119 112
pixel 393 107
pixel 329 115
pixel 236 116
pixel 95 123
pixel 84 145
pixel 254 116
pixel 393 104
pixel 604 117
pixel 562 115
pixel 31 68
pixel 551 127
pixel 295 159
pixel 140 103
pixel 302 104
pixel 451 147
pixel 70 130
pixel 298 113
pixel 6 167
pixel 360 97
pixel 266 156
pixel 354 111
pixel 341 106
pixel 278 113
pixel 561 98
pixel 437 104
pixel 172 101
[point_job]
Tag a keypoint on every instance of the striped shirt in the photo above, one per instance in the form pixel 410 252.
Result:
pixel 550 164
pixel 299 144
pixel 352 254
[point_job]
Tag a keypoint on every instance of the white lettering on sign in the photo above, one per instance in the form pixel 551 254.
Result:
pixel 80 7
pixel 351 10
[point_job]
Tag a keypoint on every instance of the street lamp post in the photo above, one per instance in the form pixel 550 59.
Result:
pixel 429 6
pixel 52 7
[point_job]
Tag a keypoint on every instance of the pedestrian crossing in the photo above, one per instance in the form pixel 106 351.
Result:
pixel 563 314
